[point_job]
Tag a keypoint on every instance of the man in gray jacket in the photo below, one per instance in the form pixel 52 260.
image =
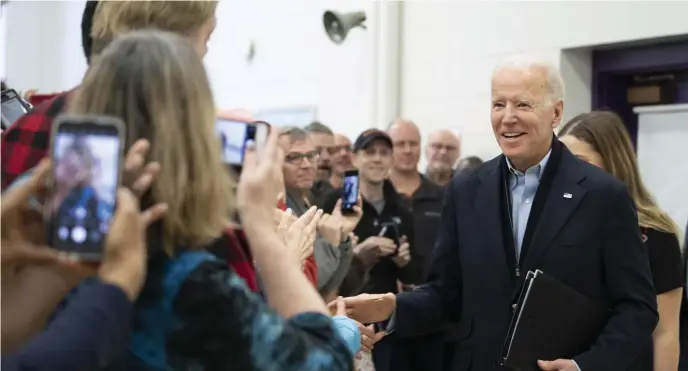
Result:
pixel 333 245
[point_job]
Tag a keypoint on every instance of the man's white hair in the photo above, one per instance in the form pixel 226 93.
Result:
pixel 555 83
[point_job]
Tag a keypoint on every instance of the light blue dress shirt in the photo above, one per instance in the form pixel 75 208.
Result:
pixel 522 187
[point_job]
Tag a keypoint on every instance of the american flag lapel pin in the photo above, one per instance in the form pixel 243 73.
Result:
pixel 567 195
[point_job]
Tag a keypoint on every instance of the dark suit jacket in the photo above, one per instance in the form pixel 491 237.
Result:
pixel 590 241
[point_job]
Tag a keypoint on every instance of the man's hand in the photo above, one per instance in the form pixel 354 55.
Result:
pixel 330 227
pixel 367 251
pixel 403 257
pixel 299 234
pixel 558 365
pixel 349 221
pixel 386 246
pixel 369 308
pixel 369 337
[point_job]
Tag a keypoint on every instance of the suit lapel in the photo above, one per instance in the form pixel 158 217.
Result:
pixel 564 195
pixel 487 208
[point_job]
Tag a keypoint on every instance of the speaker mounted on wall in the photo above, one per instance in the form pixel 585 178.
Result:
pixel 337 25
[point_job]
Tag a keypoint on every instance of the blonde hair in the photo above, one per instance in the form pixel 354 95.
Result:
pixel 114 18
pixel 156 83
pixel 605 132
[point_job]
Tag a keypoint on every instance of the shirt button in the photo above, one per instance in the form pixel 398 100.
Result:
pixel 528 200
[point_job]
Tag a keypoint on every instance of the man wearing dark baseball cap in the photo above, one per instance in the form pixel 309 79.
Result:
pixel 384 232
pixel 369 136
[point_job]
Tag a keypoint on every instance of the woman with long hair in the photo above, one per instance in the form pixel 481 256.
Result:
pixel 600 138
pixel 194 312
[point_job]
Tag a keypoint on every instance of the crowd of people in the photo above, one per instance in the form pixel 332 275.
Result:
pixel 205 268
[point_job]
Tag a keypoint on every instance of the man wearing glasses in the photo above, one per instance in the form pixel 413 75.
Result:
pixel 332 247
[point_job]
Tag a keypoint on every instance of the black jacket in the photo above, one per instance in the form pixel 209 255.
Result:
pixel 585 234
pixel 425 205
pixel 383 276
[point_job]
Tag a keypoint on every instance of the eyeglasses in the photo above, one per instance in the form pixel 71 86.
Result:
pixel 297 158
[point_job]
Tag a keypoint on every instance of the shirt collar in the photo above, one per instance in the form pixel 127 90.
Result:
pixel 538 169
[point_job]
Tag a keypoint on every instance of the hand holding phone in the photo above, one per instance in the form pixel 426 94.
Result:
pixel 350 192
pixel 236 136
pixel 13 107
pixel 87 157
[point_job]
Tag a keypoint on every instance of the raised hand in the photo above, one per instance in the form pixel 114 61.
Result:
pixel 20 221
pixel 299 233
pixel 260 183
pixel 349 221
pixel 330 227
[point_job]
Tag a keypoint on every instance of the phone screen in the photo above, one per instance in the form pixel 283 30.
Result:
pixel 12 108
pixel 236 136
pixel 85 176
pixel 350 191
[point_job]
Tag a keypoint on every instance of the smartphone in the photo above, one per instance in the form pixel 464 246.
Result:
pixel 13 107
pixel 236 136
pixel 87 154
pixel 390 230
pixel 350 191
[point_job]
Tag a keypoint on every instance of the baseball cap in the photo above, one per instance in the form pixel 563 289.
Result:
pixel 369 136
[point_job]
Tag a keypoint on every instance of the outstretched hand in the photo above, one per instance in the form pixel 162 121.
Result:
pixel 368 308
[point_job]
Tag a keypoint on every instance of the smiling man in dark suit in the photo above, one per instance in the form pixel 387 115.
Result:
pixel 534 207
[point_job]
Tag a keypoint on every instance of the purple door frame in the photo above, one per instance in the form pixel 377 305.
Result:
pixel 613 70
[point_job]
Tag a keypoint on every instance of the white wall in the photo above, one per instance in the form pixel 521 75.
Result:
pixel 662 134
pixel 45 50
pixel 3 41
pixel 295 63
pixel 450 48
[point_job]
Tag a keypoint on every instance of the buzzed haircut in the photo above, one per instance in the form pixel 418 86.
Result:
pixel 295 134
pixel 318 127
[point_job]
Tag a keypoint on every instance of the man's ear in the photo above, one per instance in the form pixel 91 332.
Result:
pixel 558 113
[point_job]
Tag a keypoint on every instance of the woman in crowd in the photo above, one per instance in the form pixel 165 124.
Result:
pixel 195 313
pixel 601 139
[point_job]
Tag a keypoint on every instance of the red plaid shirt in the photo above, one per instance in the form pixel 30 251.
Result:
pixel 27 141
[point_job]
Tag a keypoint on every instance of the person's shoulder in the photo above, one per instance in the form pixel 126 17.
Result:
pixel 600 180
pixel 656 237
pixel 467 177
pixel 432 188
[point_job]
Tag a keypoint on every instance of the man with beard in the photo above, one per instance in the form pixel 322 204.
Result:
pixel 442 151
